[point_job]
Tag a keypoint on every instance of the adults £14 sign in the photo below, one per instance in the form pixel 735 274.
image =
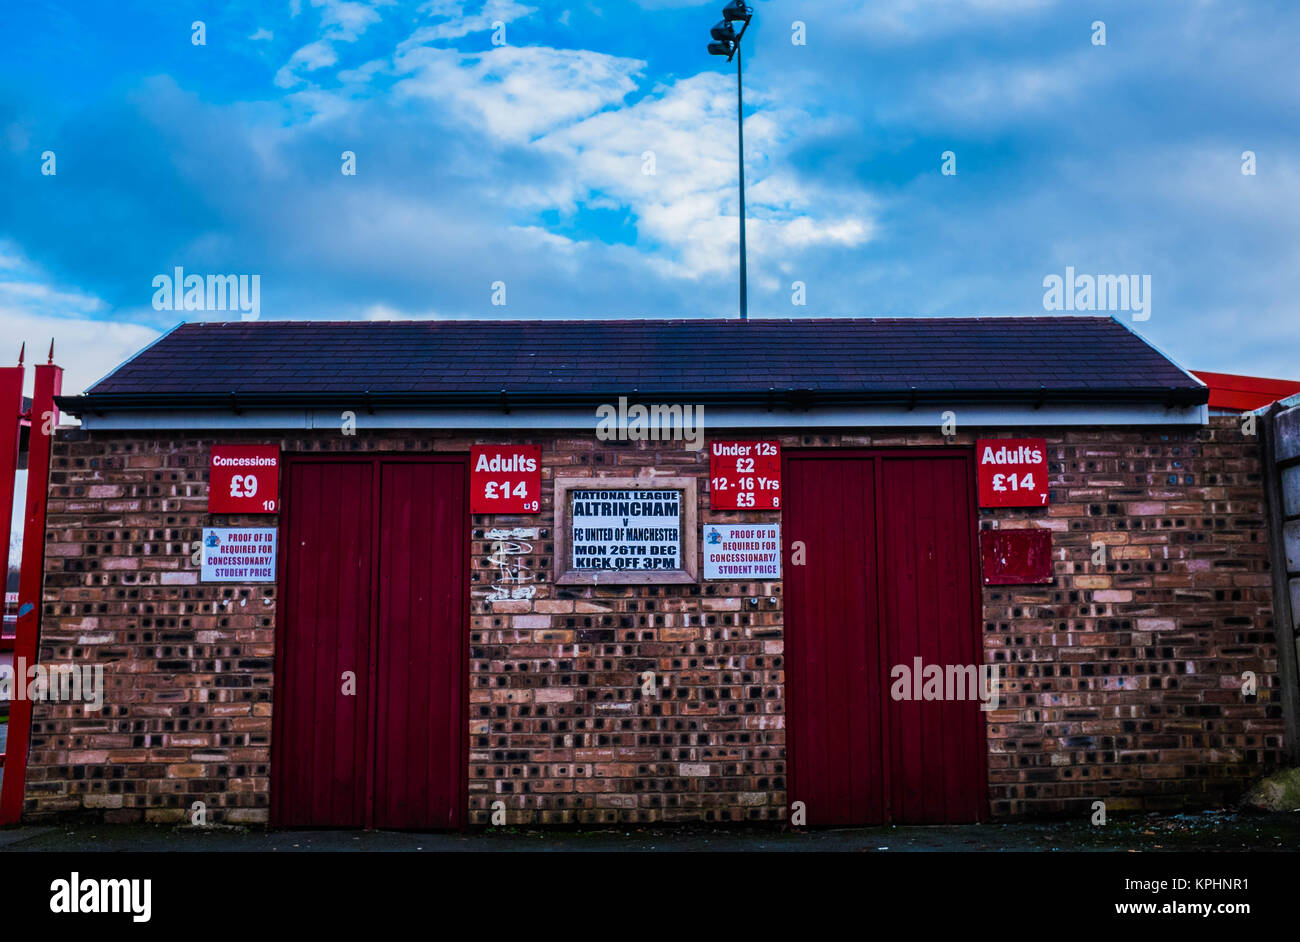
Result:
pixel 505 479
pixel 1012 472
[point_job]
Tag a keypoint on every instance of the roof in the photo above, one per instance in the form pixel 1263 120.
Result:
pixel 1245 393
pixel 265 363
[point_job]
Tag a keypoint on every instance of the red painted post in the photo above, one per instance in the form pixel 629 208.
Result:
pixel 44 416
pixel 11 424
pixel 11 414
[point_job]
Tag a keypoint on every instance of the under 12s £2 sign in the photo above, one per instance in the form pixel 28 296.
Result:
pixel 744 475
pixel 244 479
pixel 1012 472
pixel 505 479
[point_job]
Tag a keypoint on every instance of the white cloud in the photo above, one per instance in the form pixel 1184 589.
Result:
pixel 690 204
pixel 345 20
pixel 34 310
pixel 309 58
pixel 86 349
pixel 261 34
pixel 459 24
pixel 341 21
pixel 516 92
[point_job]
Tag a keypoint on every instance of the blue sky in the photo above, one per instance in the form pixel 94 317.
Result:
pixel 524 162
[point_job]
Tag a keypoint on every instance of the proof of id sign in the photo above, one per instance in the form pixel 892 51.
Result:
pixel 745 475
pixel 238 554
pixel 244 479
pixel 742 551
pixel 505 479
pixel 1012 472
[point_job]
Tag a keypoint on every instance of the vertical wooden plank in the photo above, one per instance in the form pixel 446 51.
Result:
pixel 974 756
pixel 930 583
pixel 833 663
pixel 420 758
pixel 817 626
pixel 798 529
pixel 450 533
pixel 318 751
pixel 957 639
pixel 353 601
pixel 861 656
pixel 393 648
pixel 928 759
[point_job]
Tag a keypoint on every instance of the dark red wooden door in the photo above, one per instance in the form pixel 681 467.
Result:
pixel 318 750
pixel 832 664
pixel 887 575
pixel 419 760
pixel 928 591
pixel 374 582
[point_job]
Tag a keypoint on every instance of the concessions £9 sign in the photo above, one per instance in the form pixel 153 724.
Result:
pixel 1012 472
pixel 505 479
pixel 244 479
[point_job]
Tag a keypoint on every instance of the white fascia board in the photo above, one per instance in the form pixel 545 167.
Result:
pixel 713 417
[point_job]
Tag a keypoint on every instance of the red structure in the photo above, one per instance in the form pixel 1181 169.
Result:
pixel 1244 393
pixel 42 419
pixel 376 590
pixel 895 583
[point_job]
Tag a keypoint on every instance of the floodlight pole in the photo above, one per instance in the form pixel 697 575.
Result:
pixel 727 43
pixel 740 135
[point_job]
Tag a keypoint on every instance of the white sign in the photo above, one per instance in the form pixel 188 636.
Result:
pixel 626 530
pixel 238 554
pixel 742 551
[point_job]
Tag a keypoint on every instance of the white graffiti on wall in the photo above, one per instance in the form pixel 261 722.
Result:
pixel 513 577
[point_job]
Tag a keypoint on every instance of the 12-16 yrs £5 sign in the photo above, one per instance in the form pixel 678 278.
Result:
pixel 505 479
pixel 745 475
pixel 1012 472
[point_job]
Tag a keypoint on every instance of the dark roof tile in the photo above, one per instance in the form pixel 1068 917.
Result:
pixel 602 356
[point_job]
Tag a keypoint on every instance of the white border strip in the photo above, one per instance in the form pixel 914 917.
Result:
pixel 929 416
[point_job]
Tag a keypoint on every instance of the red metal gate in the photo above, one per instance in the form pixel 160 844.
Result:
pixel 887 575
pixel 370 708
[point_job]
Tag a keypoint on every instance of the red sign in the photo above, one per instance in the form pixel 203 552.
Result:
pixel 505 479
pixel 244 479
pixel 1016 557
pixel 745 475
pixel 1012 472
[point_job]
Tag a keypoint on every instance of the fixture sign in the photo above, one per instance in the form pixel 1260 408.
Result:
pixel 1012 472
pixel 244 479
pixel 238 554
pixel 745 475
pixel 505 479
pixel 626 530
pixel 742 551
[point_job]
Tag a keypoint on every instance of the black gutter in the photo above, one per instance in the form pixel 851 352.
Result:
pixel 101 403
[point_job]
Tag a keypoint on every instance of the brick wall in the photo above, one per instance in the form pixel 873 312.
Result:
pixel 1123 679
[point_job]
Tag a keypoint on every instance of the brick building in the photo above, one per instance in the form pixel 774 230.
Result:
pixel 488 666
